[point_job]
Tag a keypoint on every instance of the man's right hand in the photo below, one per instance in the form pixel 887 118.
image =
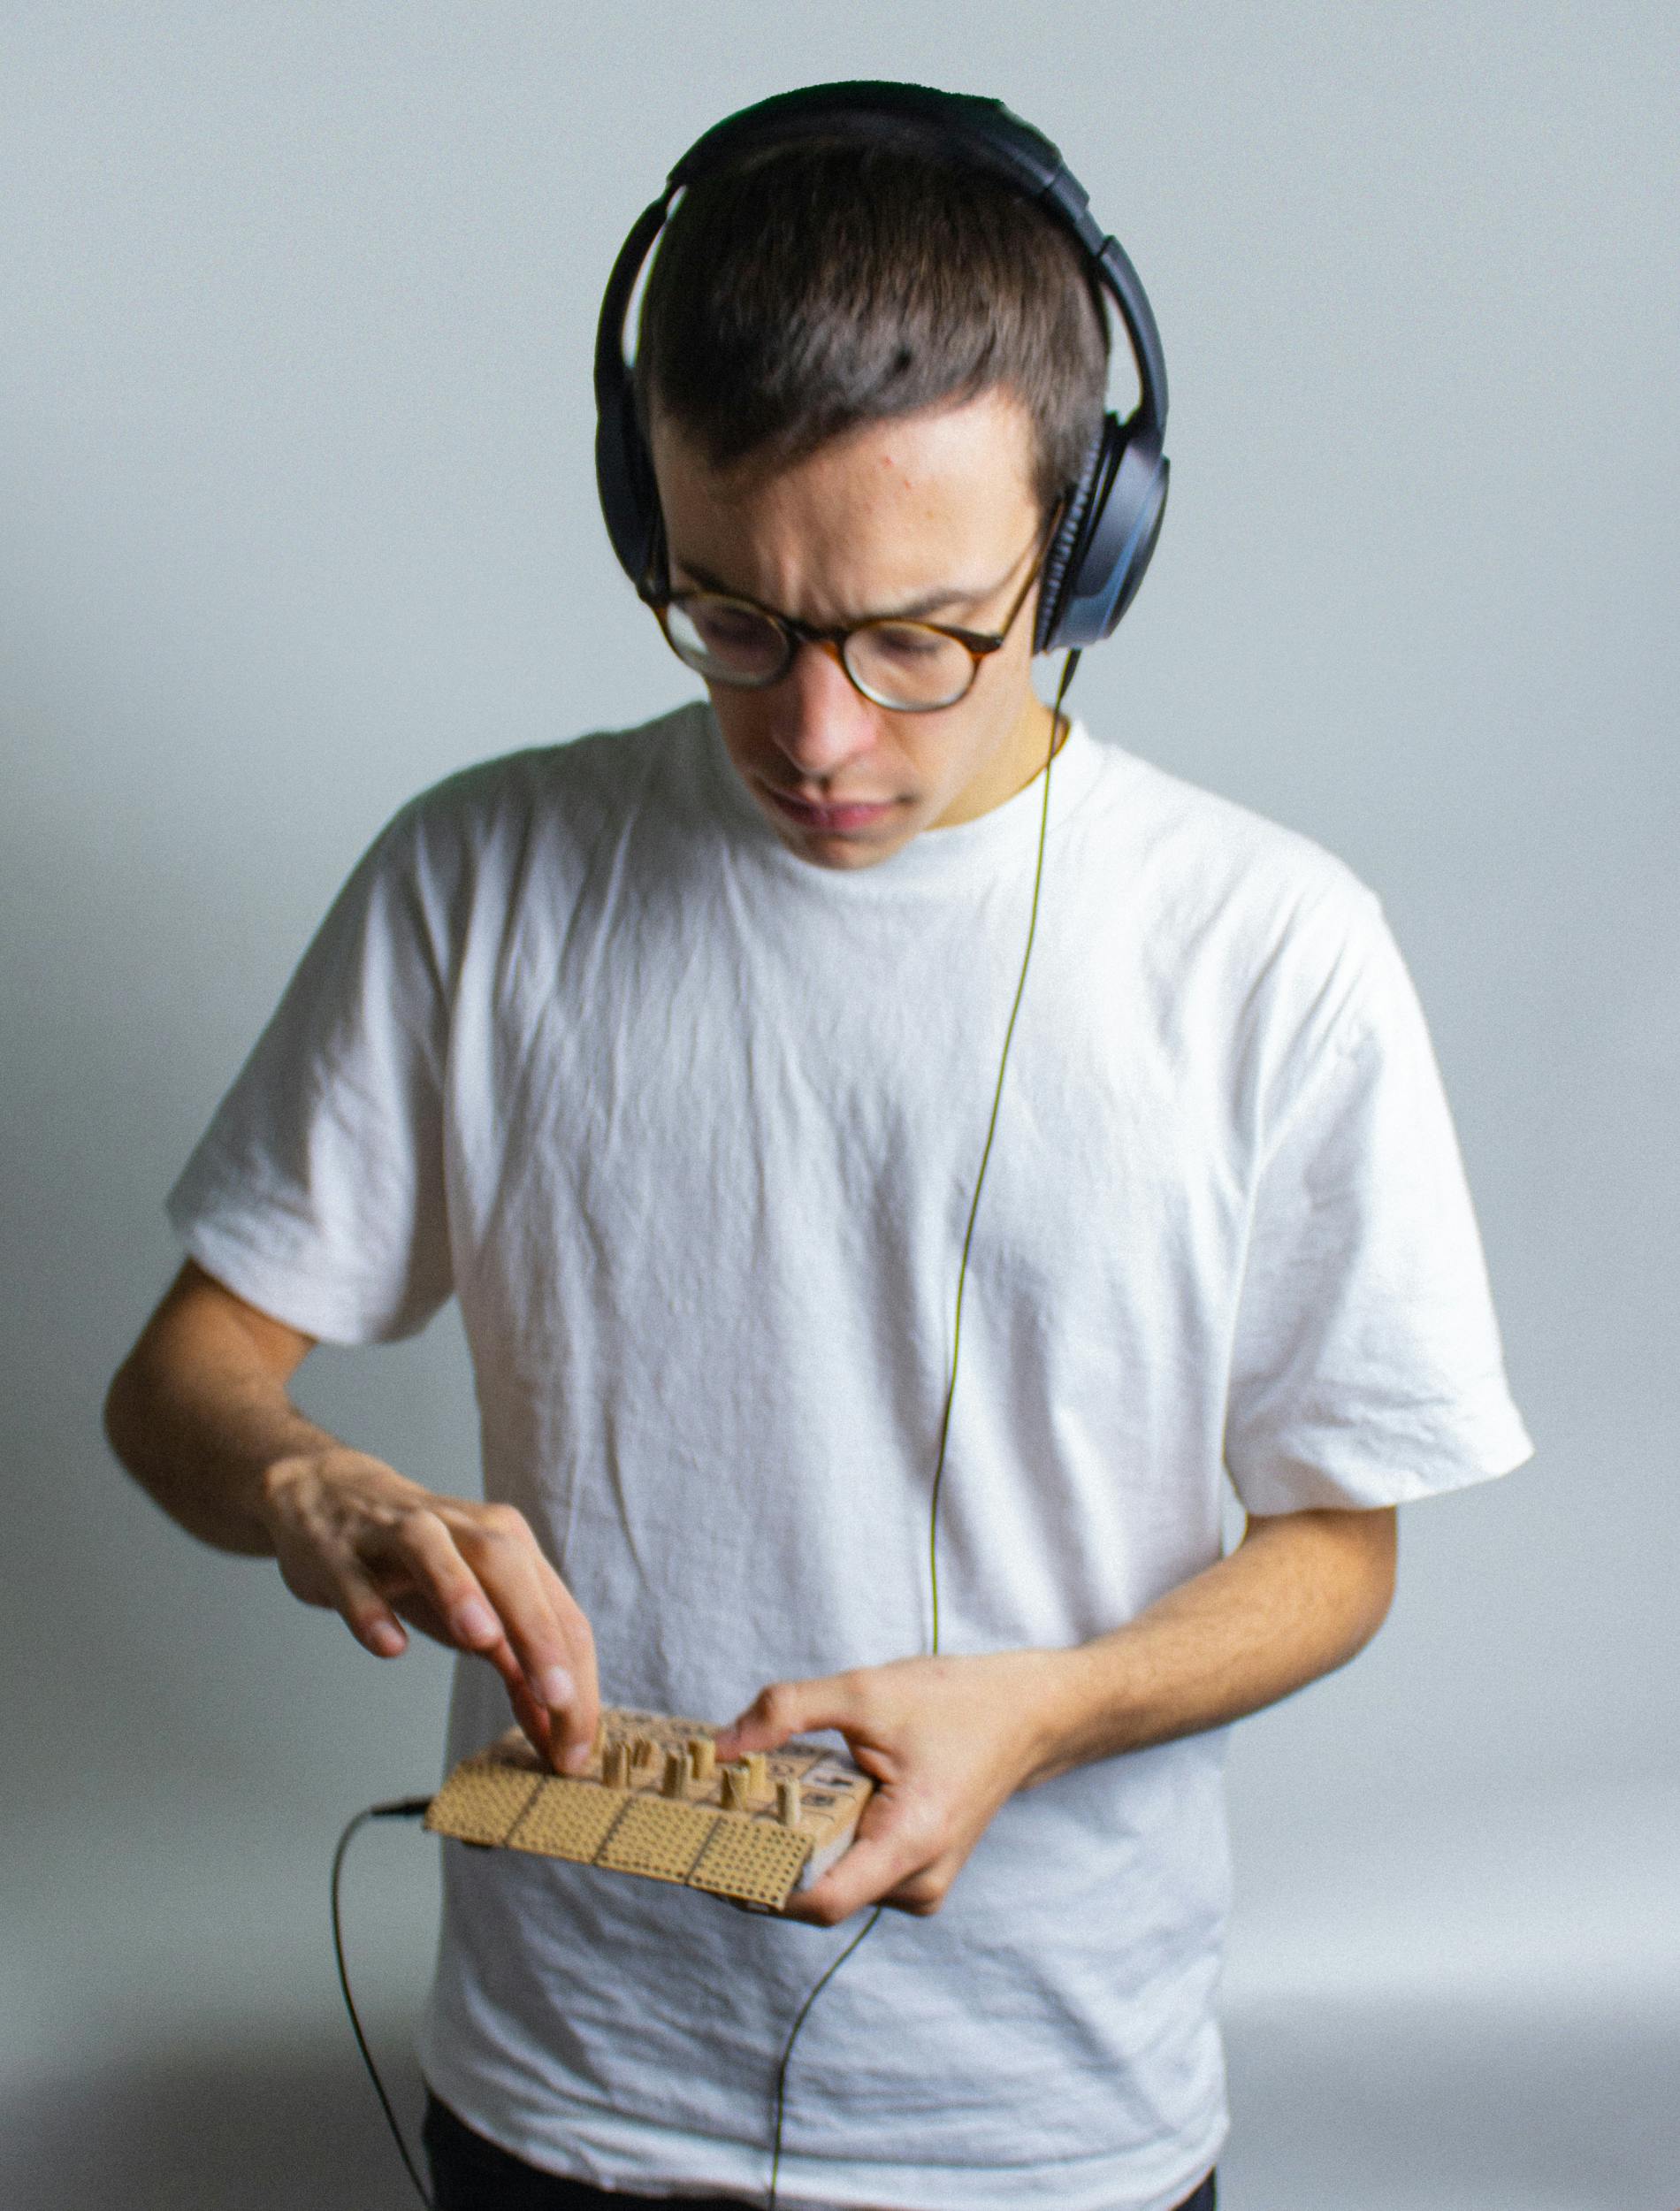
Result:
pixel 353 1534
pixel 199 1415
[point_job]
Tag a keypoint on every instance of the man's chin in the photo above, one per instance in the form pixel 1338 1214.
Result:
pixel 839 837
pixel 842 854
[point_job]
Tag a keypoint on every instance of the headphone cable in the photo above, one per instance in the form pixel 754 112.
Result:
pixel 1059 729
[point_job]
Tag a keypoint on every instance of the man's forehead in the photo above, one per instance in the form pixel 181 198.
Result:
pixel 910 514
pixel 988 433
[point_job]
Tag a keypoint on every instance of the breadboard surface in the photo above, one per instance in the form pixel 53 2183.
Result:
pixel 751 1860
pixel 657 1838
pixel 662 1818
pixel 481 1801
pixel 566 1819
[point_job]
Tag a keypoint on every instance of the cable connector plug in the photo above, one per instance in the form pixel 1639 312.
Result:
pixel 401 1808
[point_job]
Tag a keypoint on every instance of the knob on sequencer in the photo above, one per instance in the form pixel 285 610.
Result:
pixel 735 1795
pixel 787 1803
pixel 702 1757
pixel 676 1780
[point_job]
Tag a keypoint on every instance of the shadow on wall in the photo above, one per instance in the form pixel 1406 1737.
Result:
pixel 1388 2106
pixel 291 2126
pixel 1528 2105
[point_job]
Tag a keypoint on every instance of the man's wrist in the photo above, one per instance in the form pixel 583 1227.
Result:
pixel 1081 1710
pixel 311 1460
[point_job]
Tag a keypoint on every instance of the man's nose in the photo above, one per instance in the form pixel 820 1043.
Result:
pixel 820 720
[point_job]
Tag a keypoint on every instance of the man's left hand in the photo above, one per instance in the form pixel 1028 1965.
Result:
pixel 946 1741
pixel 949 1740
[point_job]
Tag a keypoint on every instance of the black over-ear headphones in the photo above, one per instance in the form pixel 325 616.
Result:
pixel 1107 533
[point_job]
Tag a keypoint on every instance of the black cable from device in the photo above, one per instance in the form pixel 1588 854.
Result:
pixel 401 1808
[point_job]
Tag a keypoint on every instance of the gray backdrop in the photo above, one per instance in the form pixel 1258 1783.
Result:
pixel 298 515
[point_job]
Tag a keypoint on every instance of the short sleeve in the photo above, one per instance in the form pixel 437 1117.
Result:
pixel 317 1191
pixel 1367 1368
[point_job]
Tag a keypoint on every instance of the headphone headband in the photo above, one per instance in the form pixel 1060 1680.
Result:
pixel 972 128
pixel 1098 558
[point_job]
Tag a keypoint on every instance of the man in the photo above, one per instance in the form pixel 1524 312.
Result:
pixel 675 1055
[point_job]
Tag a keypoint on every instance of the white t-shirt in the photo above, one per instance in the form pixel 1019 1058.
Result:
pixel 690 1128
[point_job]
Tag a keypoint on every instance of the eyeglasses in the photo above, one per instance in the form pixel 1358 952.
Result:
pixel 911 667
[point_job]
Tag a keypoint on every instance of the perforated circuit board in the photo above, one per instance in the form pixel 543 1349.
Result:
pixel 654 1801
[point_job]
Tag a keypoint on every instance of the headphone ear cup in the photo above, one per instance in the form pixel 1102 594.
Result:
pixel 1121 502
pixel 1052 590
pixel 624 476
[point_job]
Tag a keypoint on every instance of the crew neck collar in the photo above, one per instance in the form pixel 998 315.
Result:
pixel 936 858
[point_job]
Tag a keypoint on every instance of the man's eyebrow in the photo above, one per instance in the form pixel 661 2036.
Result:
pixel 931 602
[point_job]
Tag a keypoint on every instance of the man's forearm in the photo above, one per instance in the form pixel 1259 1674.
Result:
pixel 948 1741
pixel 1298 1597
pixel 199 1412
pixel 200 1416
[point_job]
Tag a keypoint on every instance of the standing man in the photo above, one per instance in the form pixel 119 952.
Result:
pixel 897 1155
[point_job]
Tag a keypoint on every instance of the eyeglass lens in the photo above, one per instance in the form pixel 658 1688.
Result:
pixel 903 664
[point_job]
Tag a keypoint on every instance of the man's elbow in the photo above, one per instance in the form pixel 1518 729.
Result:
pixel 1372 1550
pixel 124 1415
pixel 1335 1572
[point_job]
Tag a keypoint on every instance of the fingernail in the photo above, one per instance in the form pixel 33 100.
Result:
pixel 386 1640
pixel 555 1688
pixel 576 1758
pixel 475 1620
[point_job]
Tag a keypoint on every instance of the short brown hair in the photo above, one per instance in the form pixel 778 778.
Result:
pixel 823 285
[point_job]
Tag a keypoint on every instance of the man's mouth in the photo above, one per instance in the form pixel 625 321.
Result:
pixel 834 816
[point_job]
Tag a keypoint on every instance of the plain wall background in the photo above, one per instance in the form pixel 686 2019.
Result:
pixel 297 514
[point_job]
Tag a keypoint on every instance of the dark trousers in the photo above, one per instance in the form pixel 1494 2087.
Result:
pixel 470 2174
